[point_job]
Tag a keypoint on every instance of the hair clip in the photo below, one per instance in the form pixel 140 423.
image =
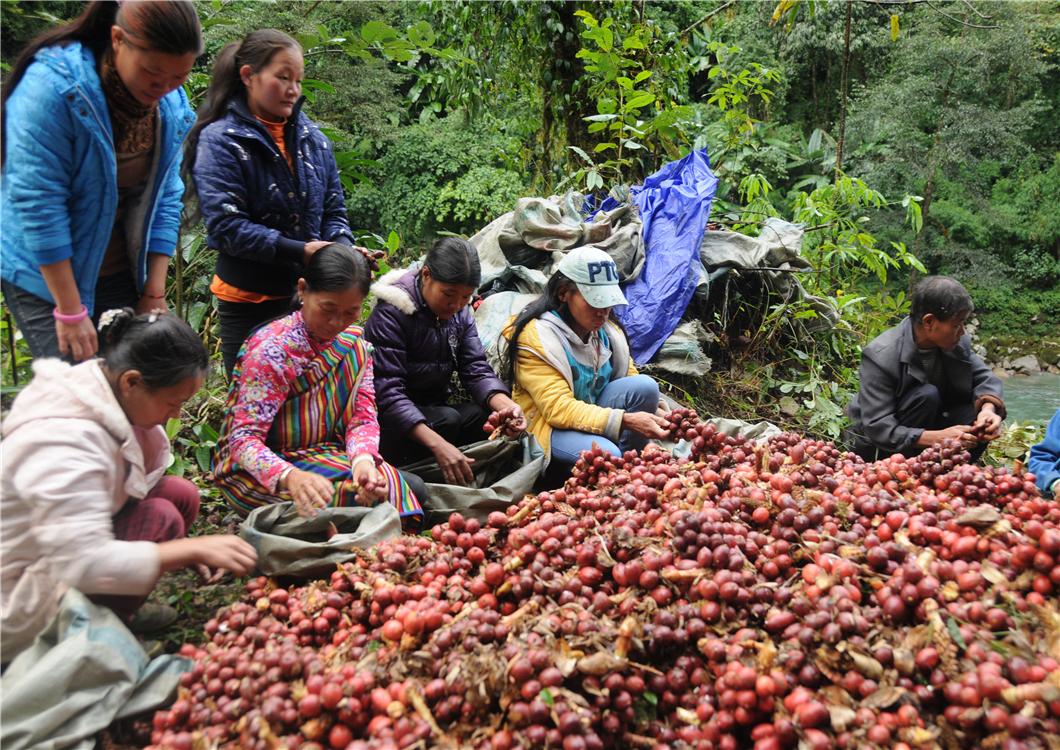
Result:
pixel 108 317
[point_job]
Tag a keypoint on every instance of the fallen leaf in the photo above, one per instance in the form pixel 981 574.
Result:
pixel 841 716
pixel 886 697
pixel 980 517
pixel 600 663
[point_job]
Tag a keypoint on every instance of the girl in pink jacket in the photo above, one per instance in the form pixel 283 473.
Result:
pixel 84 502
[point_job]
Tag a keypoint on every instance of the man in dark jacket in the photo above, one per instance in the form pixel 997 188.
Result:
pixel 422 331
pixel 921 383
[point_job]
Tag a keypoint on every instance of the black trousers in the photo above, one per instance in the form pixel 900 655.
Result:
pixel 459 424
pixel 240 319
pixel 923 407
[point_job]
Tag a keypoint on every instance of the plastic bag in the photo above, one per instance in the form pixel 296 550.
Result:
pixel 83 672
pixel 289 545
pixel 674 207
pixel 505 471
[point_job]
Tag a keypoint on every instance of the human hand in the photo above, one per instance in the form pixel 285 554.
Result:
pixel 372 256
pixel 79 339
pixel 149 303
pixel 987 424
pixel 310 491
pixel 208 575
pixel 651 426
pixel 455 466
pixel 371 484
pixel 224 552
pixel 311 249
pixel 962 433
pixel 508 420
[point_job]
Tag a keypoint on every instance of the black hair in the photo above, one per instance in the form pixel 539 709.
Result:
pixel 548 301
pixel 167 26
pixel 162 348
pixel 336 268
pixel 942 296
pixel 256 50
pixel 453 260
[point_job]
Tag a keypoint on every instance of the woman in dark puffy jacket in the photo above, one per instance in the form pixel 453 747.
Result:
pixel 422 330
pixel 267 183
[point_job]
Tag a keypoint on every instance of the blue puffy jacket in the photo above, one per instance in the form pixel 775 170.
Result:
pixel 60 183
pixel 258 212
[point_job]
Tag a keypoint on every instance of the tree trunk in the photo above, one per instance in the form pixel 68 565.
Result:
pixel 932 171
pixel 843 92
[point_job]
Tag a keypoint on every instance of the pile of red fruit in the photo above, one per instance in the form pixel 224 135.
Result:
pixel 777 595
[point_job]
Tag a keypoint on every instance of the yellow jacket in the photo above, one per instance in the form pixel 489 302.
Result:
pixel 544 389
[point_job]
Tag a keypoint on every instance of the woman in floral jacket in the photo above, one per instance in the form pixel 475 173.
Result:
pixel 300 419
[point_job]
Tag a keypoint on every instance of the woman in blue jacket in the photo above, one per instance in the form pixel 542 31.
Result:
pixel 268 186
pixel 94 116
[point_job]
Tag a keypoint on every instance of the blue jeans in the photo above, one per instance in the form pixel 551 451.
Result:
pixel 632 393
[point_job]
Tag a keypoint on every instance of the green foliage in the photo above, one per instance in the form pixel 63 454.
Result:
pixel 191 452
pixel 844 252
pixel 634 108
pixel 474 199
pixel 1014 444
pixel 441 175
pixel 15 359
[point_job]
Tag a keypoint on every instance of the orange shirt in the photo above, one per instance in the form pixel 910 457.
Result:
pixel 276 131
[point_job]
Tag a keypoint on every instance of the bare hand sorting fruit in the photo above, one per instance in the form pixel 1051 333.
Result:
pixel 508 422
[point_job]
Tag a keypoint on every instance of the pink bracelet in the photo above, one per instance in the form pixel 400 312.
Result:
pixel 70 319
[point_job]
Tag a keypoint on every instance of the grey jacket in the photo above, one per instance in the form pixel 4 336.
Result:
pixel 890 368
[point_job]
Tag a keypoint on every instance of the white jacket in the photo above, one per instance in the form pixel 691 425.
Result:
pixel 70 461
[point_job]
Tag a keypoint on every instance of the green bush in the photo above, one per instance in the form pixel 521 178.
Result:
pixel 438 175
pixel 478 197
pixel 1006 308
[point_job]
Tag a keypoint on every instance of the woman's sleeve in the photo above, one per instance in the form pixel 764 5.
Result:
pixel 222 188
pixel 39 164
pixel 1044 461
pixel 362 432
pixel 555 400
pixel 264 383
pixel 165 229
pixel 72 502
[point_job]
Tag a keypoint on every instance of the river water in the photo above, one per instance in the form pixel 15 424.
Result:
pixel 1032 397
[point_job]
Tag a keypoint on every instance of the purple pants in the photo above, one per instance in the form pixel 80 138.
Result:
pixel 165 514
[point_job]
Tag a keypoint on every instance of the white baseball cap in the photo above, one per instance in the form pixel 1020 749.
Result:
pixel 595 274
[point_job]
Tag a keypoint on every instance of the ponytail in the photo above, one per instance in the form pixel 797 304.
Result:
pixel 547 302
pixel 162 348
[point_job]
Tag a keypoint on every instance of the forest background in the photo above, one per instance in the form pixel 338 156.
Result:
pixel 908 137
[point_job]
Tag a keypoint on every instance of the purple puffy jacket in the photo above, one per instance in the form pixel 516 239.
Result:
pixel 415 354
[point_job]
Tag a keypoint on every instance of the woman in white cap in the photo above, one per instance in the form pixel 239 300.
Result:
pixel 569 365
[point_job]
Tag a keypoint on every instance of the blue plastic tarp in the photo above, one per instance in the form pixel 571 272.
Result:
pixel 674 206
